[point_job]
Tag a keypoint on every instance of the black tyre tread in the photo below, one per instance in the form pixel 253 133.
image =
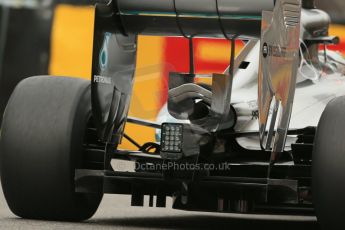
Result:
pixel 329 166
pixel 41 140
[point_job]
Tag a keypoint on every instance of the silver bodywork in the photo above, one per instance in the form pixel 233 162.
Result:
pixel 314 87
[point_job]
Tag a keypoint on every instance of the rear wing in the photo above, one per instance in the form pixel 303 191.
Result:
pixel 275 22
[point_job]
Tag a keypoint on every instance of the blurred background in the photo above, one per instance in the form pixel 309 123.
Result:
pixel 55 37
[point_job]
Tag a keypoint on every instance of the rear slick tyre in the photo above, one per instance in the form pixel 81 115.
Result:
pixel 41 146
pixel 328 170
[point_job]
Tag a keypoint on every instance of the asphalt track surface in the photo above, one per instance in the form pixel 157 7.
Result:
pixel 115 213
